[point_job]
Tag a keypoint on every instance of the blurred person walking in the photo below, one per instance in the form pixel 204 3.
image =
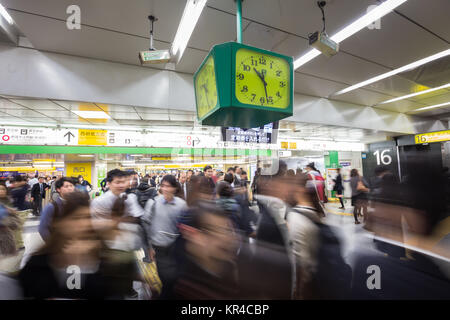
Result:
pixel 359 194
pixel 208 269
pixel 68 265
pixel 116 216
pixel 37 195
pixel 339 187
pixel 33 181
pixel 321 272
pixel 64 187
pixel 161 216
pixel 19 192
pixel 83 185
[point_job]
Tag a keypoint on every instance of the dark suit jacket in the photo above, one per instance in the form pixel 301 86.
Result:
pixel 35 191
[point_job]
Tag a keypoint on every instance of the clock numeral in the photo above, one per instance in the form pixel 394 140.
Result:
pixel 254 62
pixel 270 99
pixel 282 84
pixel 246 67
pixel 278 73
pixel 244 89
pixel 254 96
pixel 262 100
pixel 278 94
pixel 240 76
pixel 271 63
pixel 262 60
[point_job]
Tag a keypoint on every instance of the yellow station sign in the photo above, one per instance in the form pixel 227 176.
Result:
pixel 92 137
pixel 432 137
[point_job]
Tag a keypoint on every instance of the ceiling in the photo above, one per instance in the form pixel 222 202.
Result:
pixel 46 112
pixel 115 30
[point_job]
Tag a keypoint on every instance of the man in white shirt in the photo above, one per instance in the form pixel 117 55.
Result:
pixel 33 181
pixel 104 216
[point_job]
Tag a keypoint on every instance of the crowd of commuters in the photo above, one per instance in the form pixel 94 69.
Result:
pixel 213 235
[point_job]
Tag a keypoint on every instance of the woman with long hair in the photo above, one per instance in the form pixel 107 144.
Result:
pixel 359 190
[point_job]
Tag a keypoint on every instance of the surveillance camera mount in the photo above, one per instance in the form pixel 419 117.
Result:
pixel 152 21
pixel 321 5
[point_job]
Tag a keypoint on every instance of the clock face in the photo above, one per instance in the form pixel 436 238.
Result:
pixel 205 88
pixel 262 80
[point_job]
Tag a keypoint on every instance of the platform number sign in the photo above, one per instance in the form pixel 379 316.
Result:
pixel 383 158
pixel 380 154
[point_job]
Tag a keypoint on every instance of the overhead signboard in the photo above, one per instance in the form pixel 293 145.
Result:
pixel 27 136
pixel 263 134
pixel 118 138
pixel 92 137
pixel 432 137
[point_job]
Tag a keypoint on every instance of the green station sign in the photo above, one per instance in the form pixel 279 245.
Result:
pixel 243 86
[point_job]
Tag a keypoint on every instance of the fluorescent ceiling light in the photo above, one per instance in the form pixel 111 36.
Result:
pixel 29 160
pixel 415 94
pixel 86 155
pixel 191 13
pixel 432 107
pixel 5 14
pixel 353 28
pixel 136 155
pixel 410 66
pixel 92 114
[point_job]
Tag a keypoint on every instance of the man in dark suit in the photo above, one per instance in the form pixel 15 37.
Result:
pixel 37 194
pixel 182 185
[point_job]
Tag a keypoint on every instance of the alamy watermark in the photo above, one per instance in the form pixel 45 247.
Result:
pixel 74 278
pixel 377 23
pixel 73 21
pixel 374 280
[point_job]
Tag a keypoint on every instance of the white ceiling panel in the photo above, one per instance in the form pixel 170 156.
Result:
pixel 75 105
pixel 442 98
pixel 298 17
pixel 52 35
pixel 397 42
pixel 38 104
pixel 433 16
pixel 190 61
pixel 430 95
pixel 314 86
pixel 342 68
pixel 213 27
pixel 431 112
pixel 43 121
pixel 6 104
pixel 154 116
pixel 362 97
pixel 400 106
pixel 396 86
pixel 23 113
pixel 124 115
pixel 125 16
pixel 263 37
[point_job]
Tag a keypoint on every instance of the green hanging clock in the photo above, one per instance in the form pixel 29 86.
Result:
pixel 242 86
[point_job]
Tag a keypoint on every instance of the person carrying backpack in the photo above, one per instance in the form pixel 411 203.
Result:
pixel 145 192
pixel 321 272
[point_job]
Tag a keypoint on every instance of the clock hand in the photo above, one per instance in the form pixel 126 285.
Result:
pixel 206 94
pixel 259 74
pixel 265 85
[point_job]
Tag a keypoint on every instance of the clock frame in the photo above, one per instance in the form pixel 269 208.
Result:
pixel 232 110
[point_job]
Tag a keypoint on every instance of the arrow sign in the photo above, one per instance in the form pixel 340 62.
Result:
pixel 68 134
pixel 196 141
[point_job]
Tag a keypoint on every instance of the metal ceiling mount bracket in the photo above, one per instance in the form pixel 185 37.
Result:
pixel 152 21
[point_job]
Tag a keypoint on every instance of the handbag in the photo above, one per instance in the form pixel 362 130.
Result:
pixel 321 203
pixel 361 186
pixel 149 272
